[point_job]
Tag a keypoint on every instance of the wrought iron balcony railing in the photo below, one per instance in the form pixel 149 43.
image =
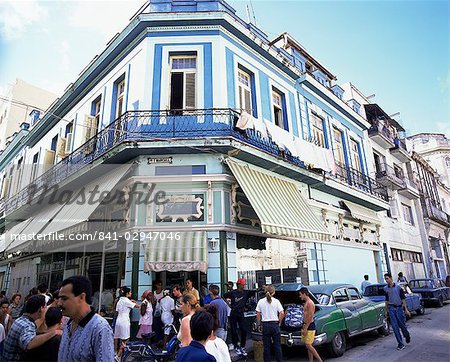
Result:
pixel 400 143
pixel 363 182
pixel 169 124
pixel 379 127
pixel 384 170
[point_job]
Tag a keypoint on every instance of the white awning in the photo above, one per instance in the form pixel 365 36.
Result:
pixel 13 236
pixel 362 213
pixel 80 210
pixel 279 204
pixel 176 251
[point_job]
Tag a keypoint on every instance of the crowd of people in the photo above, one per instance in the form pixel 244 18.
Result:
pixel 65 325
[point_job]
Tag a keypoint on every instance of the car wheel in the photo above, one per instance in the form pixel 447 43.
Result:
pixel 421 310
pixel 384 329
pixel 440 302
pixel 336 347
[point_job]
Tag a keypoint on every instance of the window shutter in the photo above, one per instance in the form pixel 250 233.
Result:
pixel 61 147
pixel 5 187
pixel 89 127
pixel 247 101
pixel 190 90
pixel 393 209
pixel 49 159
pixel 68 145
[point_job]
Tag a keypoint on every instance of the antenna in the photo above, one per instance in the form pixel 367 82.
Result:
pixel 253 12
pixel 248 13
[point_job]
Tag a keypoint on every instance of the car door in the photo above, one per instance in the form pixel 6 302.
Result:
pixel 411 300
pixel 349 310
pixel 366 310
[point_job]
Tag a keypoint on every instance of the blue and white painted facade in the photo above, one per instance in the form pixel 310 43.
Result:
pixel 283 80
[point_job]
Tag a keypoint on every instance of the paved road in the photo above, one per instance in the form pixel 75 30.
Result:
pixel 430 341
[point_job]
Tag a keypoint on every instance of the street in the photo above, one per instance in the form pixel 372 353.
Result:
pixel 430 341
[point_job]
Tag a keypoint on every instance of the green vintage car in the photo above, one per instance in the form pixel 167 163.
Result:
pixel 341 312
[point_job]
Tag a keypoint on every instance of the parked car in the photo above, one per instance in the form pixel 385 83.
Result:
pixel 341 312
pixel 375 292
pixel 432 290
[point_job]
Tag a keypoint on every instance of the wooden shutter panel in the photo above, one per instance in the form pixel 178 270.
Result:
pixel 61 147
pixel 247 101
pixel 68 144
pixel 190 90
pixel 5 187
pixel 49 159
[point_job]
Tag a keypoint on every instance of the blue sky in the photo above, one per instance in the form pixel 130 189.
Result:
pixel 397 50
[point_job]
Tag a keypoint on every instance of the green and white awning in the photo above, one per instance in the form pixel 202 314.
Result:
pixel 280 206
pixel 176 251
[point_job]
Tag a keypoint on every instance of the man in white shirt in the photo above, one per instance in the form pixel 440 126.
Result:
pixel 270 311
pixel 365 283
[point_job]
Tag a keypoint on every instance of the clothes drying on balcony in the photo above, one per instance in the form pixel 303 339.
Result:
pixel 281 137
pixel 245 121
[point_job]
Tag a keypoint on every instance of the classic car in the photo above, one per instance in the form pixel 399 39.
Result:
pixel 432 290
pixel 375 292
pixel 340 313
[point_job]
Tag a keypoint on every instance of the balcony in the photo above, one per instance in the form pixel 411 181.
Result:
pixel 399 150
pixel 382 134
pixel 360 181
pixel 410 189
pixel 389 177
pixel 134 127
pixel 434 212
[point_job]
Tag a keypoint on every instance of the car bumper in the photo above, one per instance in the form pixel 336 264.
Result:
pixel 289 340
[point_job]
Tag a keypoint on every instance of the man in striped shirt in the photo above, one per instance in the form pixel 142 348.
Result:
pixel 87 336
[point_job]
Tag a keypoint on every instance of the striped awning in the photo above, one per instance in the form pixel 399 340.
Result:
pixel 176 251
pixel 279 204
pixel 362 213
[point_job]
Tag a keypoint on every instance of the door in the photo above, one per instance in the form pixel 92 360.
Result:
pixel 349 310
pixel 367 312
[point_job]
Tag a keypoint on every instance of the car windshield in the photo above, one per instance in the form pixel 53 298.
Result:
pixel 421 284
pixel 322 298
pixel 374 290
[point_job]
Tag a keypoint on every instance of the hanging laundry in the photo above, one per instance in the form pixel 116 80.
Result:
pixel 245 121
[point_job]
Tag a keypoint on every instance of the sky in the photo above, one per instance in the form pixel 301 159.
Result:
pixel 397 50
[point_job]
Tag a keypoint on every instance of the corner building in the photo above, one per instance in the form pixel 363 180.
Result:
pixel 262 162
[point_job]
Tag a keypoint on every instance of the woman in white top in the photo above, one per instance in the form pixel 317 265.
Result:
pixel 188 307
pixel 270 311
pixel 216 346
pixel 167 305
pixel 123 308
pixel 146 320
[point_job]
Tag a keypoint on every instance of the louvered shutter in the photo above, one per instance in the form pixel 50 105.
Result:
pixel 49 159
pixel 190 90
pixel 61 147
pixel 247 101
pixel 5 187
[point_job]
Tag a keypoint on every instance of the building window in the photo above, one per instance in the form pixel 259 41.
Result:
pixel 407 214
pixel 317 126
pixel 338 147
pixel 396 255
pixel 183 70
pixel 34 166
pixel 245 91
pixel 278 108
pixel 398 171
pixel 354 151
pixel 120 98
pixel 96 109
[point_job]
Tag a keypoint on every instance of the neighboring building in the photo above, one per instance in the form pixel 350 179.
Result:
pixel 256 150
pixel 390 165
pixel 435 149
pixel 21 103
pixel 436 219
